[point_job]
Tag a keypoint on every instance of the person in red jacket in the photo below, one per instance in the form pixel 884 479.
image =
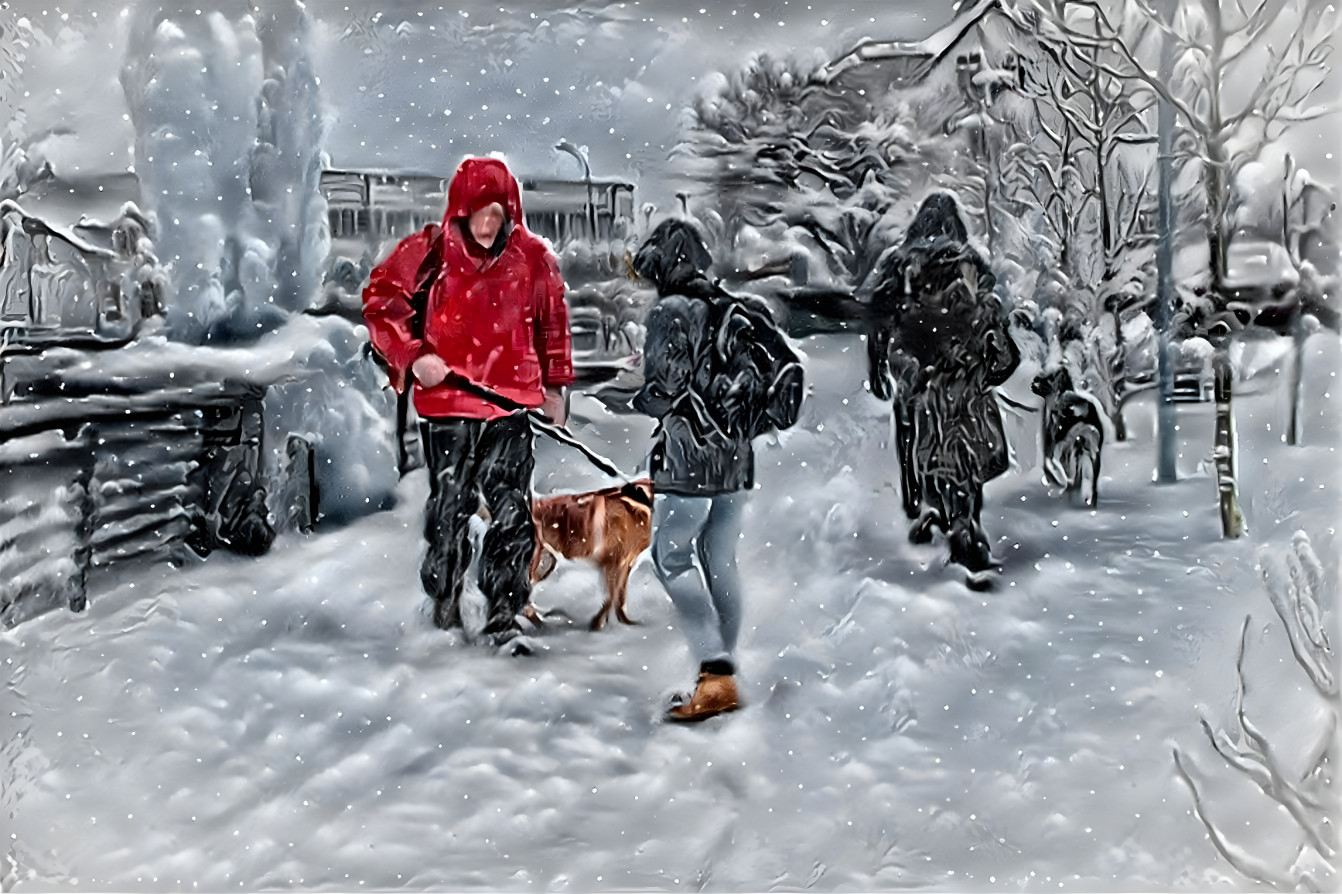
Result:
pixel 495 316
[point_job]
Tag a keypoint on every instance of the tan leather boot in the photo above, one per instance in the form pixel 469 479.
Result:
pixel 715 694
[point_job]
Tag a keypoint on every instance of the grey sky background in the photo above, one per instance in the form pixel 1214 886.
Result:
pixel 418 86
pixel 612 77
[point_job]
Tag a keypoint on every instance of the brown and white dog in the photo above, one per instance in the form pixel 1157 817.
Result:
pixel 610 528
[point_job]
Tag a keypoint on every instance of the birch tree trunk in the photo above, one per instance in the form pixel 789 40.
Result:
pixel 1224 449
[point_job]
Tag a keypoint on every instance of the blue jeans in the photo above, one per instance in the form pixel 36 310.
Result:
pixel 694 553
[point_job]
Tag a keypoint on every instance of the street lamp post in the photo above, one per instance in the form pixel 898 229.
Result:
pixel 581 156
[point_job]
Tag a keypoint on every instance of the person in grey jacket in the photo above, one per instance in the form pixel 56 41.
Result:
pixel 712 365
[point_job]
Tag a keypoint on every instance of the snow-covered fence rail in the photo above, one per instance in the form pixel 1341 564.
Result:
pixel 88 482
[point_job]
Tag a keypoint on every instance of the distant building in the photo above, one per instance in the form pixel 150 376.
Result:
pixel 63 285
pixel 886 64
pixel 559 209
pixel 364 203
pixel 367 204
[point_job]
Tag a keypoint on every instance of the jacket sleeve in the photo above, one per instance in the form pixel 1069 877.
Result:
pixel 667 358
pixel 554 343
pixel 387 310
pixel 1001 354
pixel 884 322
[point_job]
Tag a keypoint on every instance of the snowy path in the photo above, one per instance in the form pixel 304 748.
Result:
pixel 294 721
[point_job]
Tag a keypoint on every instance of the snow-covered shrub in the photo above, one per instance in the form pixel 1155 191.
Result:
pixel 338 401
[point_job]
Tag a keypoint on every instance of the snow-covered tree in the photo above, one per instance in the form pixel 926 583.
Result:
pixel 287 161
pixel 1243 73
pixel 1076 153
pixel 18 167
pixel 228 141
pixel 803 179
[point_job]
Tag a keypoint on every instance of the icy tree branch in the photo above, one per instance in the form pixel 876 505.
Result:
pixel 1244 863
pixel 1297 603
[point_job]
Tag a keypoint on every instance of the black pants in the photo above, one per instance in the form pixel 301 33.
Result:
pixel 470 459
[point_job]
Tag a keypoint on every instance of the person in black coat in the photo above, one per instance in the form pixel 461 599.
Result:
pixel 937 346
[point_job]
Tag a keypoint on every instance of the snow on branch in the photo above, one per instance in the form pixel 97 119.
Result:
pixel 1253 756
pixel 1245 863
pixel 1295 595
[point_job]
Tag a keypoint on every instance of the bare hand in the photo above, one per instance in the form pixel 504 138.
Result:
pixel 429 370
pixel 553 406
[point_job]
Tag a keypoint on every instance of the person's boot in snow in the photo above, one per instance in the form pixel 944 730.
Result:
pixel 715 694
pixel 970 548
pixel 513 642
pixel 922 529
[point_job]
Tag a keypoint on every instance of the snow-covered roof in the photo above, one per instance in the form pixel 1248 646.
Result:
pixel 922 53
pixel 9 206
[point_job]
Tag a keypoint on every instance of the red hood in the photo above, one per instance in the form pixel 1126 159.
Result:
pixel 478 182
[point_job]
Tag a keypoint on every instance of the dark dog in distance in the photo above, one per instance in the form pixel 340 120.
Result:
pixel 1073 427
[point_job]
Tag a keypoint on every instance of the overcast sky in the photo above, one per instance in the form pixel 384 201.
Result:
pixel 416 86
pixel 517 79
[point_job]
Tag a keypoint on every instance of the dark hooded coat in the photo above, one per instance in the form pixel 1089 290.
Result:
pixel 938 344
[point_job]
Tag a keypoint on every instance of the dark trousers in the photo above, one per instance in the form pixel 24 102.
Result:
pixel 470 460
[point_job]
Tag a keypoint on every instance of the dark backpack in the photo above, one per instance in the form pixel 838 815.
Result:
pixel 748 347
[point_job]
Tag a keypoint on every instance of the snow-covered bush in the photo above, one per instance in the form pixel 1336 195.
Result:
pixel 338 400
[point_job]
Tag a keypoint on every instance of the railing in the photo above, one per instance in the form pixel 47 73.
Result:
pixel 98 472
pixel 89 481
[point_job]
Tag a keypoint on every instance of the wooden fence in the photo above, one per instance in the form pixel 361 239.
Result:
pixel 91 482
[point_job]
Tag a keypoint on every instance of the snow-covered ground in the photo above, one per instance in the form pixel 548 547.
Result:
pixel 295 721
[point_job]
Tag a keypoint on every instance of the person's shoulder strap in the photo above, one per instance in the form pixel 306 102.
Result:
pixel 766 329
pixel 424 277
pixel 433 259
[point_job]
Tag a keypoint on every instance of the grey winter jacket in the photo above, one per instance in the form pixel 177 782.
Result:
pixel 701 384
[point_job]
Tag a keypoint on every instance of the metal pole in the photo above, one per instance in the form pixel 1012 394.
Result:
pixel 566 146
pixel 1167 418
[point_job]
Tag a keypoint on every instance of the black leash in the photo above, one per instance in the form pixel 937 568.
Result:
pixel 538 419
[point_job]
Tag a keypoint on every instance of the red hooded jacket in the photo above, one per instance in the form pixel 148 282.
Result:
pixel 499 320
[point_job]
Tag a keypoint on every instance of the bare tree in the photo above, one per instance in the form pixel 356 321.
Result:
pixel 1244 72
pixel 1073 154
